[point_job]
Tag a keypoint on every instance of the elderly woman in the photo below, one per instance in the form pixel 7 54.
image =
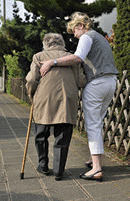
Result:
pixel 101 72
pixel 54 99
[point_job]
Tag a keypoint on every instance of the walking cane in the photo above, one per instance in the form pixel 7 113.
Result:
pixel 26 144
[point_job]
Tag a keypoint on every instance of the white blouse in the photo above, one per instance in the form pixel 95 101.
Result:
pixel 84 46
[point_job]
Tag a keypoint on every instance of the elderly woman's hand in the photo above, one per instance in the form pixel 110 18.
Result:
pixel 45 67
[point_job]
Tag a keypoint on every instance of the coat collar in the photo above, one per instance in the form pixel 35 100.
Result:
pixel 58 47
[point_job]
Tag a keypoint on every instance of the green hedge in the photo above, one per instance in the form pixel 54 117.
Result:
pixel 122 37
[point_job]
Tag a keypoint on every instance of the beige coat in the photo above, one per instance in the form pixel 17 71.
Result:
pixel 56 94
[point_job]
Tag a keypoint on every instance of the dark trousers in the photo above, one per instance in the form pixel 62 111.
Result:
pixel 62 134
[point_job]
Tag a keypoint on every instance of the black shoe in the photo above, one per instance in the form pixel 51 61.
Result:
pixel 92 176
pixel 43 170
pixel 58 176
pixel 89 164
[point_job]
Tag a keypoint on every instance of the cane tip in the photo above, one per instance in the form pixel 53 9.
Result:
pixel 22 176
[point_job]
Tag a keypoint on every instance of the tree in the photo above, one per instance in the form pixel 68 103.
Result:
pixel 48 16
pixel 122 37
pixel 56 11
pixel 59 8
pixel 23 37
pixel 5 46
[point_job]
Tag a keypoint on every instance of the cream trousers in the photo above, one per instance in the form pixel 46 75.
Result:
pixel 96 98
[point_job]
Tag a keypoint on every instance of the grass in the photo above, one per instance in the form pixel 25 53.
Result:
pixel 20 101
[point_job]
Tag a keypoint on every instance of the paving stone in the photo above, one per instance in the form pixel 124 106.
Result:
pixel 119 197
pixel 50 182
pixel 2 187
pixel 29 196
pixel 25 185
pixel 77 161
pixel 122 184
pixel 38 187
pixel 2 177
pixel 12 153
pixel 67 193
pixel 4 196
pixel 8 147
pixel 102 190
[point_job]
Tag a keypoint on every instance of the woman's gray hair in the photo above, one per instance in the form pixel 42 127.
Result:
pixel 53 39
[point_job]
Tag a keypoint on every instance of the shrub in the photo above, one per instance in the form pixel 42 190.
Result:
pixel 13 69
pixel 121 29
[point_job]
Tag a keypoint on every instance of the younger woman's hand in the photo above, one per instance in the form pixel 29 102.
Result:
pixel 45 67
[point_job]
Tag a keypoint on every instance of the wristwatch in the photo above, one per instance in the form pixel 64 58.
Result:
pixel 55 62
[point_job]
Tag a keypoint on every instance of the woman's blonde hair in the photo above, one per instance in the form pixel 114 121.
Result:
pixel 53 39
pixel 78 18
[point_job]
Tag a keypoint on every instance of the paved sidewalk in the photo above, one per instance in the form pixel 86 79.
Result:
pixel 35 187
